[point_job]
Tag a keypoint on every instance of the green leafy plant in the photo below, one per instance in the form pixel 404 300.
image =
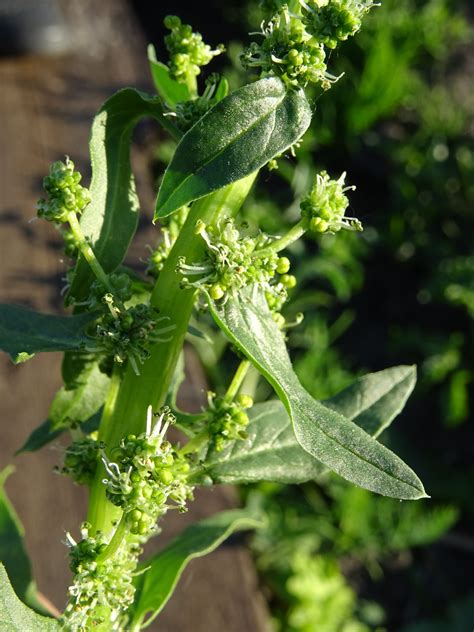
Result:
pixel 123 343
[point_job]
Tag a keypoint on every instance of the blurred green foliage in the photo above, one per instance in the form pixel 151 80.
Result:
pixel 400 122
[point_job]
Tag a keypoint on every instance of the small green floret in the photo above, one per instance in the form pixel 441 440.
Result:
pixel 65 194
pixel 325 205
pixel 234 261
pixel 227 420
pixel 289 52
pixel 147 474
pixel 81 459
pixel 102 590
pixel 188 52
pixel 333 21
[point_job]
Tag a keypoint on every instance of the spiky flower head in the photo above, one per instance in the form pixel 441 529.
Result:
pixel 147 475
pixel 333 21
pixel 81 459
pixel 326 203
pixel 234 261
pixel 65 194
pixel 188 52
pixel 102 590
pixel 227 420
pixel 288 51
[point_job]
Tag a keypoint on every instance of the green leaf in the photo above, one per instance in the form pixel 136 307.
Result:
pixel 12 551
pixel 110 220
pixel 222 89
pixel 156 585
pixel 41 436
pixel 326 434
pixel 374 400
pixel 170 90
pixel 79 402
pixel 272 452
pixel 44 434
pixel 24 331
pixel 235 138
pixel 15 616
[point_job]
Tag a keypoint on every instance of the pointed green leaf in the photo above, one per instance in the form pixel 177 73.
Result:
pixel 235 138
pixel 15 616
pixel 24 331
pixel 12 550
pixel 156 585
pixel 39 437
pixel 79 402
pixel 272 452
pixel 374 400
pixel 222 89
pixel 326 434
pixel 170 90
pixel 110 220
pixel 44 434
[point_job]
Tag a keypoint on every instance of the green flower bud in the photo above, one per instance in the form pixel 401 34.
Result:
pixel 188 52
pixel 65 193
pixel 326 203
pixel 244 400
pixel 216 292
pixel 283 265
pixel 288 280
pixel 335 20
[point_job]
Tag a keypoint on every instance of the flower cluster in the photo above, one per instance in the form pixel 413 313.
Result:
pixel 147 474
pixel 234 261
pixel 127 334
pixel 121 285
pixel 294 44
pixel 81 458
pixel 102 590
pixel 187 50
pixel 289 52
pixel 326 203
pixel 187 113
pixel 332 21
pixel 227 420
pixel 170 228
pixel 65 193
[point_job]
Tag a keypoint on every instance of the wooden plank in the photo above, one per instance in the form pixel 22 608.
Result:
pixel 46 107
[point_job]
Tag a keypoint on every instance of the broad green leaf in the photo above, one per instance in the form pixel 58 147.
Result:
pixel 374 400
pixel 272 452
pixel 15 616
pixel 170 90
pixel 24 331
pixel 156 585
pixel 236 137
pixel 12 550
pixel 44 434
pixel 326 434
pixel 77 402
pixel 110 220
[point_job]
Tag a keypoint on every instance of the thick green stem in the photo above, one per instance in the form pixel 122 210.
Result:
pixel 237 380
pixel 101 512
pixel 136 393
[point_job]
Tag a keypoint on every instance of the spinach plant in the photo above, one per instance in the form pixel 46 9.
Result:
pixel 123 343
